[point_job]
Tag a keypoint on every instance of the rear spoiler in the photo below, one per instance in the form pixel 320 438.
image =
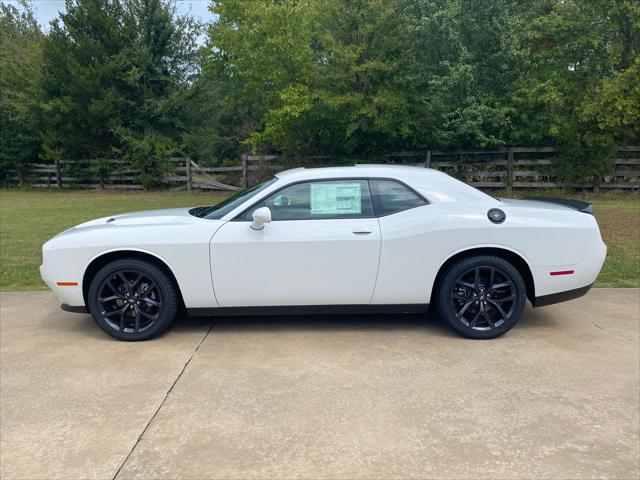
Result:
pixel 575 204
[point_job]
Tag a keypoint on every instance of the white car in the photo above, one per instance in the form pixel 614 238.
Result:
pixel 345 239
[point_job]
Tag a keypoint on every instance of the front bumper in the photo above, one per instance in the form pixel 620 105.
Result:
pixel 53 272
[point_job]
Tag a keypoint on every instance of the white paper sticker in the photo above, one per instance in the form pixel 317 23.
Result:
pixel 336 198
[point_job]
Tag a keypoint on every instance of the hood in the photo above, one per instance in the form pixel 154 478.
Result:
pixel 170 216
pixel 135 229
pixel 152 217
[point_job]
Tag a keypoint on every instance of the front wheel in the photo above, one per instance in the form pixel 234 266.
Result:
pixel 481 297
pixel 131 299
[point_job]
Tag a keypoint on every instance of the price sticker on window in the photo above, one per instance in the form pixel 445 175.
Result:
pixel 336 198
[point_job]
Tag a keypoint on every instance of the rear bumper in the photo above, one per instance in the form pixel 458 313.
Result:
pixel 560 296
pixel 550 282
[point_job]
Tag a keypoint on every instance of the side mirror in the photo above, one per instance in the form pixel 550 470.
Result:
pixel 261 216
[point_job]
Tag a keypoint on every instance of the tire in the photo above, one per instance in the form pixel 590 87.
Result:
pixel 481 297
pixel 132 299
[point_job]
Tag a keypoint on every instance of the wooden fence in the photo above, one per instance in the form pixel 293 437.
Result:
pixel 507 168
pixel 184 173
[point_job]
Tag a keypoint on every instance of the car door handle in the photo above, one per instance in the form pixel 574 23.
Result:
pixel 361 230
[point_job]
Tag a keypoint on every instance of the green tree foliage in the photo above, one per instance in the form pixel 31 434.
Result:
pixel 115 77
pixel 365 76
pixel 20 85
pixel 349 78
pixel 580 87
pixel 314 76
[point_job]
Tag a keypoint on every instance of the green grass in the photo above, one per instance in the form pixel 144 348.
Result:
pixel 30 217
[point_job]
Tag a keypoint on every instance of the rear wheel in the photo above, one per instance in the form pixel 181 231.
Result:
pixel 481 297
pixel 132 299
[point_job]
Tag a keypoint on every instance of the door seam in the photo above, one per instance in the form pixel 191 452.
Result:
pixel 375 283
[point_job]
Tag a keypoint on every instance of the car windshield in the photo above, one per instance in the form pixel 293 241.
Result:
pixel 216 212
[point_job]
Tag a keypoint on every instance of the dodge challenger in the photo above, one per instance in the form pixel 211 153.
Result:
pixel 375 238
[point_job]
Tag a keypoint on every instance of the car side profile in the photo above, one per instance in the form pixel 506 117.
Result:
pixel 344 239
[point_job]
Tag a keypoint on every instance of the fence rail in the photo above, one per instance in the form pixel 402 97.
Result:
pixel 509 168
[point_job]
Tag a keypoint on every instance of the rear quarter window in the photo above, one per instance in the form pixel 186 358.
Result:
pixel 392 197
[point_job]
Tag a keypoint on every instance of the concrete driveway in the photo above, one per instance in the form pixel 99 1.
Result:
pixel 322 397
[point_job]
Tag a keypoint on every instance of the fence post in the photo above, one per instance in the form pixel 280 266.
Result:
pixel 509 169
pixel 245 171
pixel 189 177
pixel 596 184
pixel 58 177
pixel 427 161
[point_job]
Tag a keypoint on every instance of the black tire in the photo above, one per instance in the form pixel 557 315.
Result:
pixel 132 299
pixel 481 297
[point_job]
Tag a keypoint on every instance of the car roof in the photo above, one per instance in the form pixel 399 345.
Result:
pixel 434 185
pixel 360 170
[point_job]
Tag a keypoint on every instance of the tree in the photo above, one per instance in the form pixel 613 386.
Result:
pixel 257 51
pixel 115 76
pixel 157 67
pixel 464 62
pixel 579 87
pixel 350 78
pixel 315 76
pixel 20 86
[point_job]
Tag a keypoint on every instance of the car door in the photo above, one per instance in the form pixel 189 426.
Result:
pixel 321 248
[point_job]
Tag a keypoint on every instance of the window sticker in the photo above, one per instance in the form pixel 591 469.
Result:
pixel 336 198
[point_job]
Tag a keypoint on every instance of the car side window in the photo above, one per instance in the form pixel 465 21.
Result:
pixel 323 199
pixel 392 197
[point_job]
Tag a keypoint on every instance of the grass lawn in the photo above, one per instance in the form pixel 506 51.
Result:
pixel 30 217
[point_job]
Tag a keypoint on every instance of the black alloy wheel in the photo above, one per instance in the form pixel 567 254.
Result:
pixel 482 297
pixel 131 299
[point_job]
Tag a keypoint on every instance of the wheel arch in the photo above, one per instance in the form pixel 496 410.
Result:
pixel 515 259
pixel 104 258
